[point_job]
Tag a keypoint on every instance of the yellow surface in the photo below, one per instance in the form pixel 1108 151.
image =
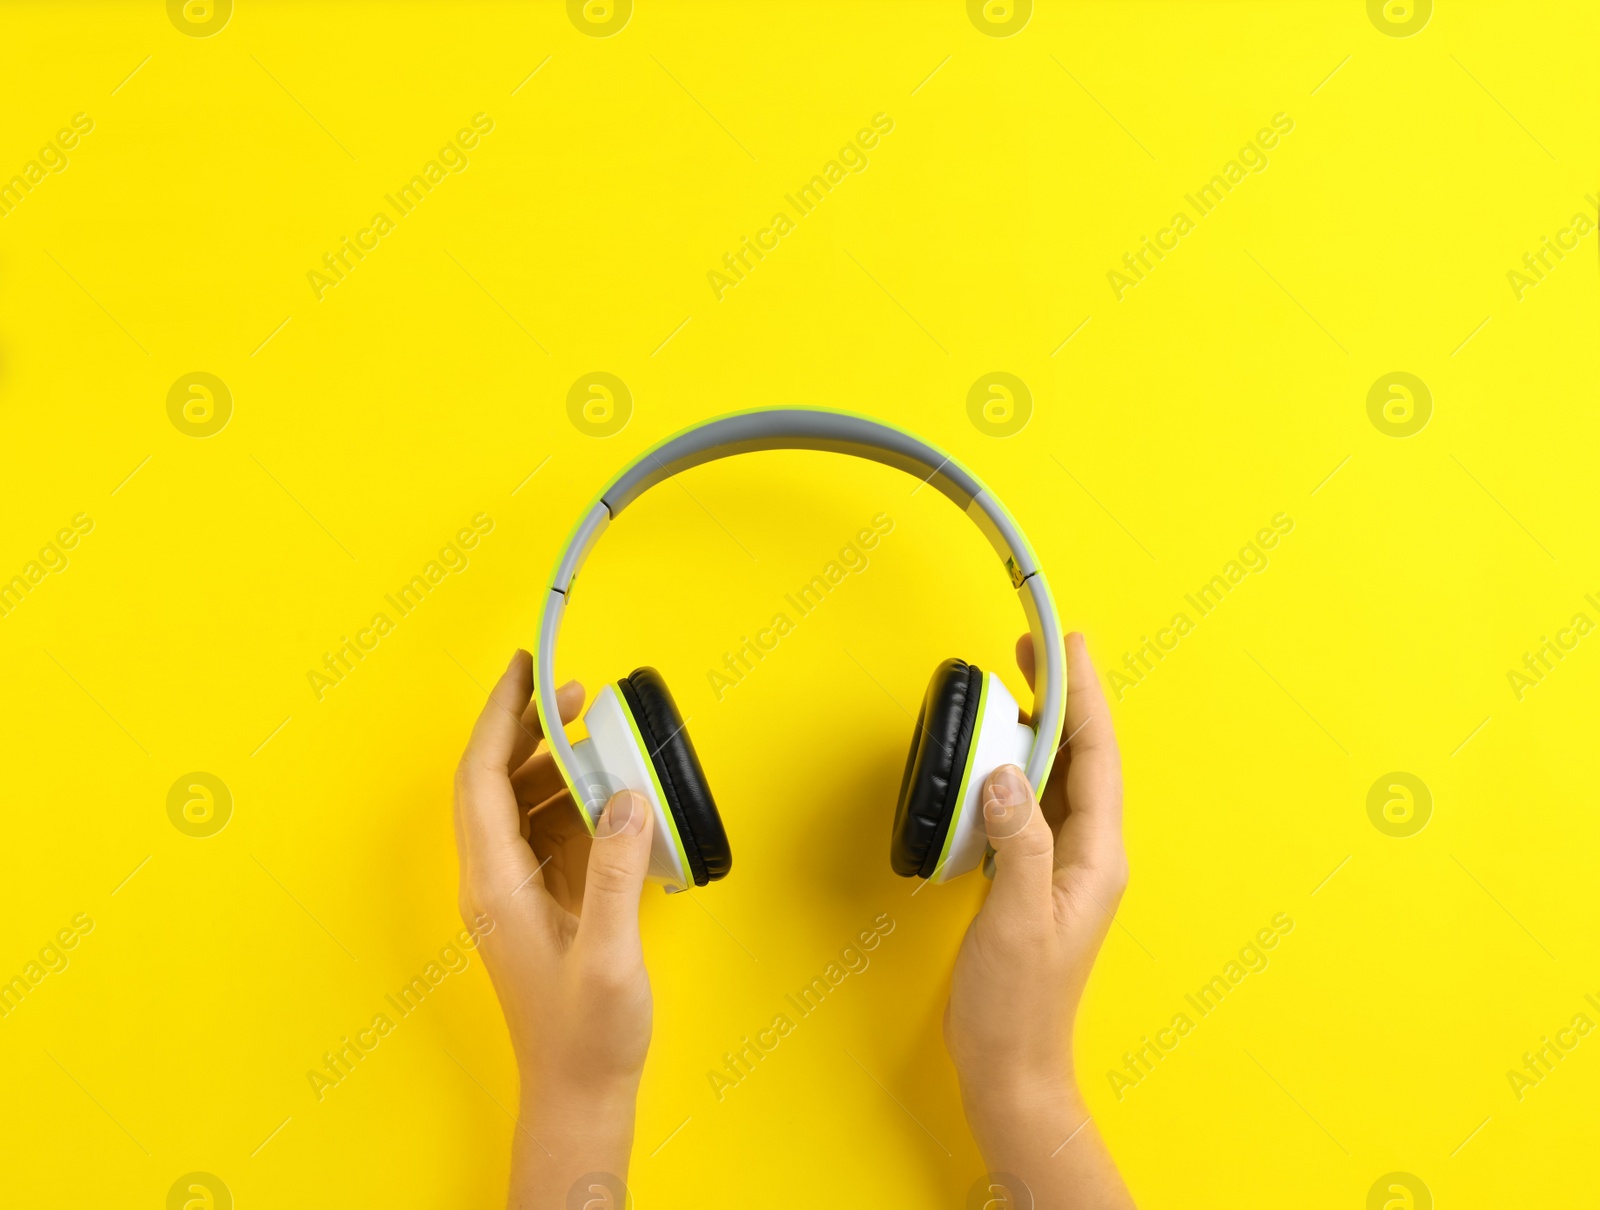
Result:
pixel 371 424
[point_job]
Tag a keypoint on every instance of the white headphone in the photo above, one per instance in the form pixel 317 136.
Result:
pixel 969 724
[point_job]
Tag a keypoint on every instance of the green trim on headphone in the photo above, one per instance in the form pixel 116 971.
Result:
pixel 661 797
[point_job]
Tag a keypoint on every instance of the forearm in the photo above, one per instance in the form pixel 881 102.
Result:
pixel 1045 1137
pixel 563 1137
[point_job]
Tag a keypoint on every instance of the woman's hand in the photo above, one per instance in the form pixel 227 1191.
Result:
pixel 559 914
pixel 1059 874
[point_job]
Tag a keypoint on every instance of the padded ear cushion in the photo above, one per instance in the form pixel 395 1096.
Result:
pixel 683 781
pixel 932 779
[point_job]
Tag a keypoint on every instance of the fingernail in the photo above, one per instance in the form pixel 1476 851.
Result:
pixel 568 685
pixel 624 815
pixel 1008 786
pixel 512 662
pixel 638 806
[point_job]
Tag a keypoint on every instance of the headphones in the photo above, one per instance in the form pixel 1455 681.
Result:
pixel 969 724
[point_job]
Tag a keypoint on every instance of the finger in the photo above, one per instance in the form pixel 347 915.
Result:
pixel 1025 657
pixel 1053 802
pixel 538 779
pixel 555 817
pixel 494 735
pixel 569 700
pixel 1094 776
pixel 563 877
pixel 618 863
pixel 488 831
pixel 537 782
pixel 561 843
pixel 530 819
pixel 1023 854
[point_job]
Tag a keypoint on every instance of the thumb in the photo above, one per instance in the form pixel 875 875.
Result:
pixel 1023 847
pixel 618 862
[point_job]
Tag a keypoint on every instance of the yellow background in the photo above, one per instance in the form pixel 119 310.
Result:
pixel 1173 424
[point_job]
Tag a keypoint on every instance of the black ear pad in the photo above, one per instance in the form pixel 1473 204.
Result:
pixel 945 726
pixel 683 781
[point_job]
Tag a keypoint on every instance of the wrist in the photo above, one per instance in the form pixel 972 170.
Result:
pixel 1017 1113
pixel 1020 1095
pixel 1025 1077
pixel 566 1106
pixel 567 1130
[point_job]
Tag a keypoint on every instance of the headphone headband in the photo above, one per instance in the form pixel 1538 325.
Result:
pixel 810 429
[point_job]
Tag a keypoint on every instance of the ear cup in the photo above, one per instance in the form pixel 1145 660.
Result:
pixel 683 781
pixel 938 757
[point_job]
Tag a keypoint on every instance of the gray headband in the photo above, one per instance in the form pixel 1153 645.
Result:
pixel 811 429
